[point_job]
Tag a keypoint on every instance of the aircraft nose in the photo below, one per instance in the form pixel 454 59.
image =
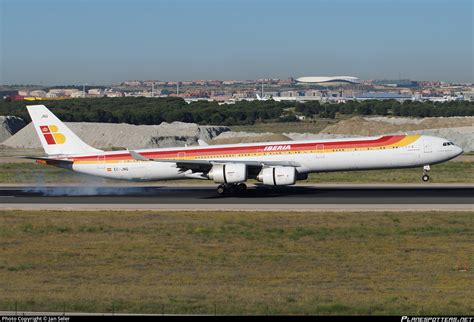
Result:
pixel 458 150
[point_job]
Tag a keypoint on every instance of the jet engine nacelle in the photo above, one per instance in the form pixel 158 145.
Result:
pixel 277 176
pixel 228 173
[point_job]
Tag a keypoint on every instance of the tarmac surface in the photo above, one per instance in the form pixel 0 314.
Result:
pixel 303 198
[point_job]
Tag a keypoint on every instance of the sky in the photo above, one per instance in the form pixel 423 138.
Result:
pixel 53 42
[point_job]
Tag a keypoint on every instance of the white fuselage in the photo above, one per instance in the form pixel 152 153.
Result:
pixel 320 156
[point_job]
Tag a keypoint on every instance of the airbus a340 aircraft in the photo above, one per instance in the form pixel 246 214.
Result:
pixel 231 165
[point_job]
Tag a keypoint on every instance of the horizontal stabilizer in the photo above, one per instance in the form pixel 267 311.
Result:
pixel 50 161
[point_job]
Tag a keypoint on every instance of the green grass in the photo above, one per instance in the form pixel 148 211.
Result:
pixel 449 172
pixel 238 263
pixel 38 173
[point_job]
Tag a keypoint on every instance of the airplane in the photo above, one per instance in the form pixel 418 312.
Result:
pixel 231 165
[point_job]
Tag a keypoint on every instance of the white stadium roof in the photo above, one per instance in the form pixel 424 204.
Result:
pixel 328 79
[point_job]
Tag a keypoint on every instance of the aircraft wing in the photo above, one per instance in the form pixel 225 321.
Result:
pixel 206 165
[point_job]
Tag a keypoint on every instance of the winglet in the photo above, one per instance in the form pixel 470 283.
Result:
pixel 137 156
pixel 202 142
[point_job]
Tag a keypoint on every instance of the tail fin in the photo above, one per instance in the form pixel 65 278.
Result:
pixel 54 135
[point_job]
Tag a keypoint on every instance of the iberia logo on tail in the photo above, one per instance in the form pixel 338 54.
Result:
pixel 51 134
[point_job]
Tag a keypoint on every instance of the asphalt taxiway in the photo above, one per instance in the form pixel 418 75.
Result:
pixel 303 198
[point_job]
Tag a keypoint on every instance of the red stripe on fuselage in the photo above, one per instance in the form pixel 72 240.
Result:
pixel 210 151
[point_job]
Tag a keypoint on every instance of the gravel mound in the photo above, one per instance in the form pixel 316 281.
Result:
pixel 368 126
pixel 247 137
pixel 314 136
pixel 109 136
pixel 9 125
pixel 394 120
pixel 241 134
pixel 240 137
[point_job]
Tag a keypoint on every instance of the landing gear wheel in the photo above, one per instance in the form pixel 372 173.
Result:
pixel 241 187
pixel 232 189
pixel 221 190
pixel 425 176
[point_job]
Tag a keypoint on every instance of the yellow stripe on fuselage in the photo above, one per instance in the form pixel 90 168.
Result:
pixel 407 140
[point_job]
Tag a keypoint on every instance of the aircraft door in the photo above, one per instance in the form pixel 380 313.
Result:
pixel 320 151
pixel 317 159
pixel 427 146
pixel 100 161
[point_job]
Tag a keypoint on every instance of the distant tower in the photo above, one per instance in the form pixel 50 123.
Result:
pixel 177 88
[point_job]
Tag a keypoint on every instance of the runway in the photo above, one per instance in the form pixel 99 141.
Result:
pixel 303 198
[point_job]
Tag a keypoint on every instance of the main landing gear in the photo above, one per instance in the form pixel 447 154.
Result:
pixel 231 188
pixel 425 177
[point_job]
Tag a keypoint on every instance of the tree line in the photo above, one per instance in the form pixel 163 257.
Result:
pixel 387 107
pixel 141 110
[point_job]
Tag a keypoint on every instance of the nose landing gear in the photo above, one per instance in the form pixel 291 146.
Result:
pixel 231 188
pixel 425 177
